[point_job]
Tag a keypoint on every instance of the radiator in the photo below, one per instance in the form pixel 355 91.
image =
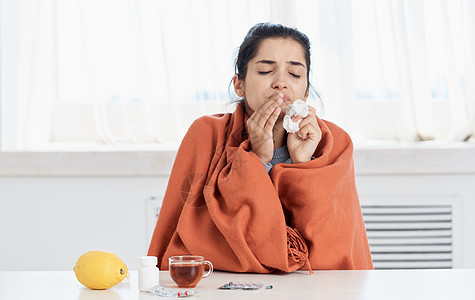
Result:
pixel 412 232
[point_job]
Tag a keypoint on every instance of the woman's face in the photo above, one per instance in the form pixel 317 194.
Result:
pixel 278 67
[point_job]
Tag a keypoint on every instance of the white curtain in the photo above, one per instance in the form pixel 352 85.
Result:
pixel 422 61
pixel 27 77
pixel 140 71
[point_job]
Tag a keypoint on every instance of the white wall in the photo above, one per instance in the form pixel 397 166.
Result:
pixel 48 222
pixel 56 206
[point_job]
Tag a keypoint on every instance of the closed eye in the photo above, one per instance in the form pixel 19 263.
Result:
pixel 264 73
pixel 295 75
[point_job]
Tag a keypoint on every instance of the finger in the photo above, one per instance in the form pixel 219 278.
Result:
pixel 255 120
pixel 303 132
pixel 271 104
pixel 258 113
pixel 267 111
pixel 310 119
pixel 296 118
pixel 312 111
pixel 273 118
pixel 311 130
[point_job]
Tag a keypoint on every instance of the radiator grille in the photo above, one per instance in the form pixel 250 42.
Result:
pixel 409 236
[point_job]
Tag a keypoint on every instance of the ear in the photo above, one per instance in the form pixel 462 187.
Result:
pixel 238 86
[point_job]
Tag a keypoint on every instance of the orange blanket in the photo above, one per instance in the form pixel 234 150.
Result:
pixel 221 203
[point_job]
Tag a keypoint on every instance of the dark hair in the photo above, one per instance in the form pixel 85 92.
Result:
pixel 258 33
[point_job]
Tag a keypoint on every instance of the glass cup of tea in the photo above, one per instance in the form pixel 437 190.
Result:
pixel 187 270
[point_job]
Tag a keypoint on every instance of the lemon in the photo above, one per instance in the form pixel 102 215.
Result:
pixel 100 269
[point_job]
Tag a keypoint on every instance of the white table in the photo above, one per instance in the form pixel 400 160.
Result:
pixel 367 285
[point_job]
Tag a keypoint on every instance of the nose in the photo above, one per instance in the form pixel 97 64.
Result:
pixel 280 82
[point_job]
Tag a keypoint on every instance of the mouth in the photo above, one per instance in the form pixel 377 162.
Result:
pixel 284 97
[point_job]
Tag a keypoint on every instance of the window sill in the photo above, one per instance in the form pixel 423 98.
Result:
pixel 381 159
pixel 423 158
pixel 102 161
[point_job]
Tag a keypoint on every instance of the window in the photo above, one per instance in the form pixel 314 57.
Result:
pixel 411 68
pixel 121 72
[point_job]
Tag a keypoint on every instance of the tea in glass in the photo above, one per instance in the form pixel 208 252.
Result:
pixel 187 270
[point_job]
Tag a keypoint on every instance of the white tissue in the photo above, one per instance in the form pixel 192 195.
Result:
pixel 300 108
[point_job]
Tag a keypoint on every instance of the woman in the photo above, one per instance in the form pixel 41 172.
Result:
pixel 251 197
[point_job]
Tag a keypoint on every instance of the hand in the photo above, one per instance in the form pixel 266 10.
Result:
pixel 260 125
pixel 302 144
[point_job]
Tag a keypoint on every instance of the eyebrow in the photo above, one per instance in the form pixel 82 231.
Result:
pixel 272 62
